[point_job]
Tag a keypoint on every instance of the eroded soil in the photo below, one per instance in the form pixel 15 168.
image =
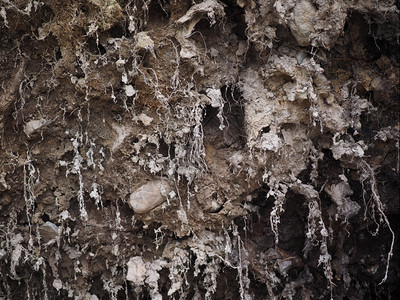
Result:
pixel 199 149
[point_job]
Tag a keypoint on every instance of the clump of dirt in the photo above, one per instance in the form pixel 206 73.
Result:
pixel 199 149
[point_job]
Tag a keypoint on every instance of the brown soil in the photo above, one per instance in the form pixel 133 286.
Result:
pixel 273 125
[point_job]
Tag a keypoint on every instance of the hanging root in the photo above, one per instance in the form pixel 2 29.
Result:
pixel 368 173
pixel 317 233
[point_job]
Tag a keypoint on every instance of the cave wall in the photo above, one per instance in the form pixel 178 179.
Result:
pixel 199 149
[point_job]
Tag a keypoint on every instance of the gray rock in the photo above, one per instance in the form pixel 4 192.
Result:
pixel 48 231
pixel 149 196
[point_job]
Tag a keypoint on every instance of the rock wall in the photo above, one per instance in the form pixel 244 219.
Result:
pixel 217 149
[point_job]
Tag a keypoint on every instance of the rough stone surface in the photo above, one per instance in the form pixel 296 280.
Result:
pixel 273 127
pixel 136 270
pixel 302 25
pixel 149 196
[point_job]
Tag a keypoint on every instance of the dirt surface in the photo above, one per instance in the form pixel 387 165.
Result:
pixel 217 149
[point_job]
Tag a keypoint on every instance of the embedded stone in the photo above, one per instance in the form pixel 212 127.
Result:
pixel 48 231
pixel 146 120
pixel 33 125
pixel 144 41
pixel 302 25
pixel 136 270
pixel 149 196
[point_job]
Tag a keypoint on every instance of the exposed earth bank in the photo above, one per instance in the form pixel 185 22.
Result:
pixel 217 149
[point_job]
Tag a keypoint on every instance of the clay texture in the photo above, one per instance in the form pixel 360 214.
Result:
pixel 216 149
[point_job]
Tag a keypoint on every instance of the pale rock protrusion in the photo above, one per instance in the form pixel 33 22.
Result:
pixel 349 148
pixel 33 125
pixel 149 196
pixel 129 90
pixel 302 25
pixel 121 133
pixel 136 271
pixel 320 80
pixel 57 284
pixel 215 97
pixel 340 193
pixel 144 41
pixel 146 120
pixel 215 207
pixel 235 160
pixel 270 141
pixel 48 231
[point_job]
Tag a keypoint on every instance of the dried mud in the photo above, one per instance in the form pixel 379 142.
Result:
pixel 199 149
